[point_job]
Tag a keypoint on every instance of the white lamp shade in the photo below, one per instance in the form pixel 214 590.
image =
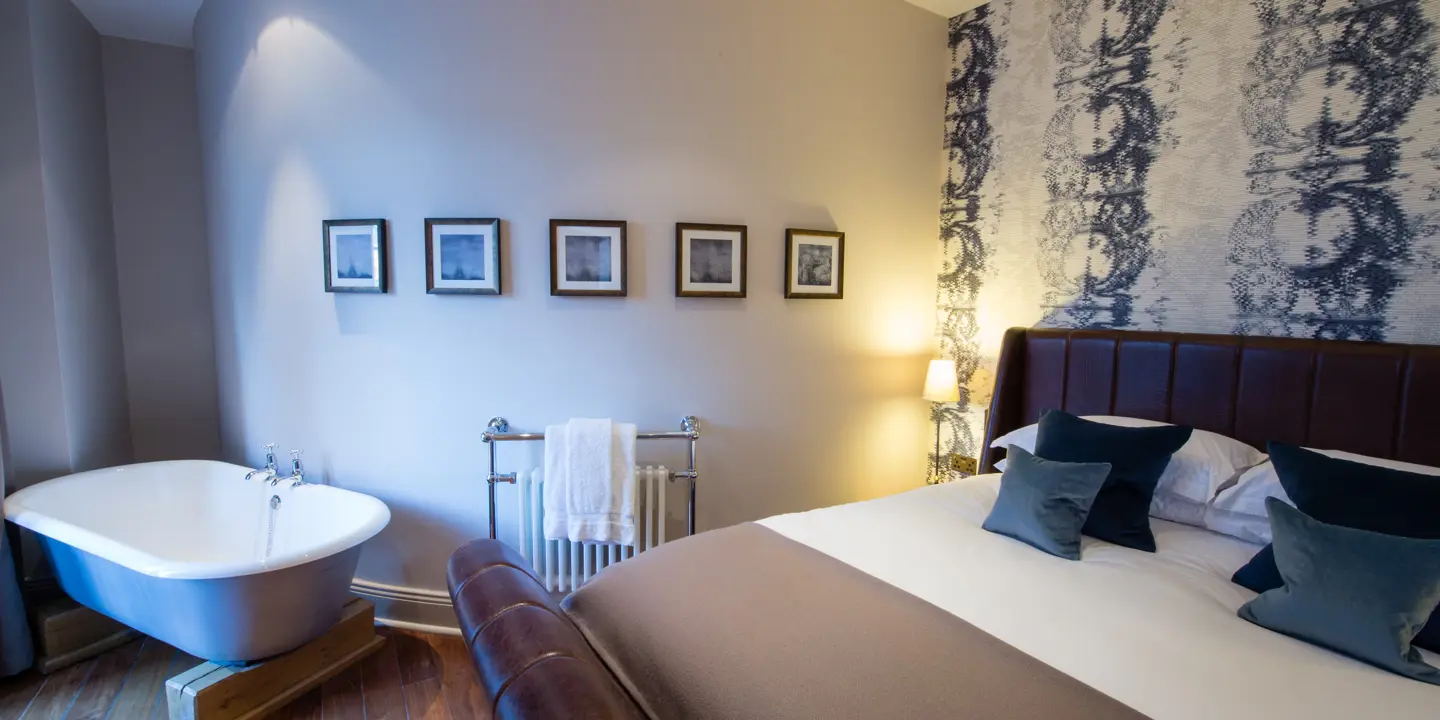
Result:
pixel 941 385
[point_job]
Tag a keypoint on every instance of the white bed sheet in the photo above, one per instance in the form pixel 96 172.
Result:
pixel 1157 632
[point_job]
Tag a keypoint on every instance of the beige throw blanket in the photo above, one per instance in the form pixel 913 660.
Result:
pixel 746 623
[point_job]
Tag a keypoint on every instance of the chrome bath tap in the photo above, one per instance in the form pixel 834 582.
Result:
pixel 297 472
pixel 271 470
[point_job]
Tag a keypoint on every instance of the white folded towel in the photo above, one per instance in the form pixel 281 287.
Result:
pixel 590 482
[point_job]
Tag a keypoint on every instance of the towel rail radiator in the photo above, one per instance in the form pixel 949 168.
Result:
pixel 498 431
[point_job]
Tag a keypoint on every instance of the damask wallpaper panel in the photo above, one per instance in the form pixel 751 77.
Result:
pixel 1266 168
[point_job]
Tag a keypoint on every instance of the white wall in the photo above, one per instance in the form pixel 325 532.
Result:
pixel 772 113
pixel 74 161
pixel 163 260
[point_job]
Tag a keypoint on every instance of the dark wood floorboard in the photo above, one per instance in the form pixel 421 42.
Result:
pixel 417 657
pixel 107 677
pixel 179 662
pixel 425 700
pixel 420 677
pixel 16 694
pixel 413 677
pixel 462 692
pixel 343 695
pixel 384 699
pixel 147 678
pixel 307 707
pixel 58 693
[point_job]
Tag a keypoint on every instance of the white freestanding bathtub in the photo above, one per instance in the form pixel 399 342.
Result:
pixel 192 553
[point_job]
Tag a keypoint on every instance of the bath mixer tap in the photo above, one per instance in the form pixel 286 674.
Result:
pixel 271 469
pixel 297 471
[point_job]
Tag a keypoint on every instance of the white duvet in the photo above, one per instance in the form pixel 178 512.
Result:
pixel 1156 632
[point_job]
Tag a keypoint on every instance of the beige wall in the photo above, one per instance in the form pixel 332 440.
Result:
pixel 772 113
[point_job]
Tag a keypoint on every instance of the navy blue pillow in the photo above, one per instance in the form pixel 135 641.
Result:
pixel 1137 457
pixel 1352 495
pixel 1043 503
pixel 1359 593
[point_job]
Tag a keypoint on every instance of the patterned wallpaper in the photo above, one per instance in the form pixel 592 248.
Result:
pixel 1263 168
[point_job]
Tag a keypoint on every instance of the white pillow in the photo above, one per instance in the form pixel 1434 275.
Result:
pixel 1205 465
pixel 1239 510
pixel 1249 528
pixel 1177 509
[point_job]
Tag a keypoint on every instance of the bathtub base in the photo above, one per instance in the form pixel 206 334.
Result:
pixel 230 619
pixel 67 633
pixel 219 692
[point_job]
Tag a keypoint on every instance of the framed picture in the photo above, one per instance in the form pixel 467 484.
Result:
pixel 814 264
pixel 587 258
pixel 355 256
pixel 710 260
pixel 462 257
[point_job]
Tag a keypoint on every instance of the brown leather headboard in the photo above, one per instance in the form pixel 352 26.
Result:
pixel 1375 399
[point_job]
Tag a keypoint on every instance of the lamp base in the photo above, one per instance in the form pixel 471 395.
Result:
pixel 938 462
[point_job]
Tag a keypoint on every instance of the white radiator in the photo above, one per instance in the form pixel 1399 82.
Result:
pixel 565 566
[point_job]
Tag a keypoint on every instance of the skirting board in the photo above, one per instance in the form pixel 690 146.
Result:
pixel 419 627
pixel 406 608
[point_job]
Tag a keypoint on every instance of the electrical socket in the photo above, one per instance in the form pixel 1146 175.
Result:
pixel 964 464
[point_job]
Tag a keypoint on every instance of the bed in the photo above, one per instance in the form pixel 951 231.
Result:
pixel 904 607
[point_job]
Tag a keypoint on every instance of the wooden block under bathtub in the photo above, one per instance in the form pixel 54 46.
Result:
pixel 215 692
pixel 67 632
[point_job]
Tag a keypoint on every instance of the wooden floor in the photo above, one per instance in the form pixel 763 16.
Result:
pixel 414 677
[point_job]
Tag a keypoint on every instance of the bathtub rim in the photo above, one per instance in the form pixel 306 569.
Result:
pixel 133 558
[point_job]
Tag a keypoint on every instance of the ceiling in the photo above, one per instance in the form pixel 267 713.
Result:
pixel 170 22
pixel 948 8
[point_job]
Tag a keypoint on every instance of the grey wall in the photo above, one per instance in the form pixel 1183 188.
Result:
pixel 164 266
pixel 29 350
pixel 74 160
pixel 81 257
pixel 772 113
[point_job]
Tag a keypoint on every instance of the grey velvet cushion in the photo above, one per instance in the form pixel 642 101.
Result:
pixel 1359 593
pixel 1044 503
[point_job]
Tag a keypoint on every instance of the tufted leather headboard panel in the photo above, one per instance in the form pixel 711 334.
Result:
pixel 1375 399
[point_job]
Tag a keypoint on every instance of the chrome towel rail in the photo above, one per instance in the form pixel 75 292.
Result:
pixel 498 431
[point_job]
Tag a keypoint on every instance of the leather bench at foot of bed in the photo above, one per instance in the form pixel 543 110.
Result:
pixel 532 662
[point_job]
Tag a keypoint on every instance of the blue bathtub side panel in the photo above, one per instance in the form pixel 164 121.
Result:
pixel 230 620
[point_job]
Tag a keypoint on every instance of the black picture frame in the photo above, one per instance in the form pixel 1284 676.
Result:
pixel 380 280
pixel 741 259
pixel 557 284
pixel 495 253
pixel 793 238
